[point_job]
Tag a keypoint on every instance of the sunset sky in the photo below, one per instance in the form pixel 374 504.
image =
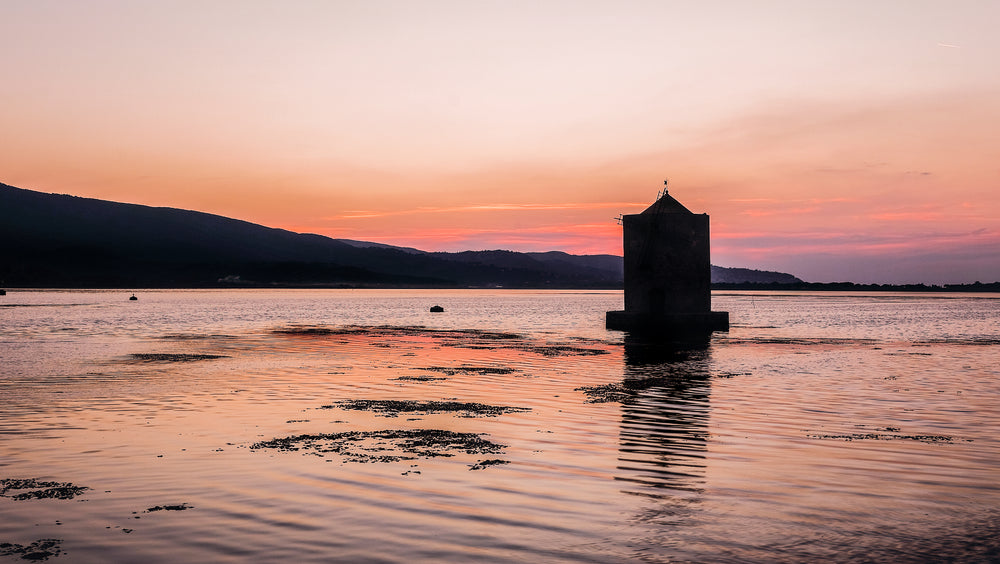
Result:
pixel 835 140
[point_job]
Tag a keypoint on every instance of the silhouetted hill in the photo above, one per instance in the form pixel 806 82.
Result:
pixel 723 275
pixel 369 244
pixel 53 240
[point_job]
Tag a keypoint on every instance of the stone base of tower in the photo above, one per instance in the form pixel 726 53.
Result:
pixel 675 324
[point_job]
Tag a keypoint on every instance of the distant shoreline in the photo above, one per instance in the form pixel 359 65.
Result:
pixel 764 286
pixel 854 287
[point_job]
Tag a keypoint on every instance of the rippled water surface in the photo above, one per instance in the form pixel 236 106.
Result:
pixel 356 426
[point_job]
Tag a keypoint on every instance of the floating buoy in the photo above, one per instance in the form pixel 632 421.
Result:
pixel 436 309
pixel 133 297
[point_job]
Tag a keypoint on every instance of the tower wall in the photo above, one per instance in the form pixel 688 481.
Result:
pixel 667 264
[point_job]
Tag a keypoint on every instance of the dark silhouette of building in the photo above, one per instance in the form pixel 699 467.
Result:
pixel 667 272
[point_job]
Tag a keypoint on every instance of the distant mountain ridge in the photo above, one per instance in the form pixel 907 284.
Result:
pixel 54 240
pixel 723 275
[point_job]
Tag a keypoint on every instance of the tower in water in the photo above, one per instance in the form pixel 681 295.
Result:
pixel 668 272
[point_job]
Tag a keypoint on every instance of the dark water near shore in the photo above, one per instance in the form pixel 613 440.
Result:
pixel 355 426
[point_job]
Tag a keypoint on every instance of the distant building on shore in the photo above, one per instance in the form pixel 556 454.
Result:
pixel 667 272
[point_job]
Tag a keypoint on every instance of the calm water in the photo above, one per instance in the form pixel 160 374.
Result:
pixel 213 426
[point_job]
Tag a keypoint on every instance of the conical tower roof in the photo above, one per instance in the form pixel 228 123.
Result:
pixel 665 204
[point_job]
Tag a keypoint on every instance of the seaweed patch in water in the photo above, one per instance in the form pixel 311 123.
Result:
pixel 626 391
pixel 607 393
pixel 299 330
pixel 195 336
pixel 931 439
pixel 180 507
pixel 462 338
pixel 172 357
pixel 392 408
pixel 973 341
pixel 486 463
pixel 418 378
pixel 391 445
pixel 825 341
pixel 41 549
pixel 548 349
pixel 394 331
pixel 564 350
pixel 35 489
pixel 466 369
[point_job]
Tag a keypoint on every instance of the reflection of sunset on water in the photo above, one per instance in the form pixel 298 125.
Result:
pixel 304 424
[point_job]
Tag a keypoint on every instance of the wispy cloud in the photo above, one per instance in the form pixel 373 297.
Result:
pixel 579 238
pixel 847 244
pixel 907 216
pixel 366 214
pixel 783 211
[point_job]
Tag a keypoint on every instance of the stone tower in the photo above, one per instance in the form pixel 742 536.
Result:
pixel 667 272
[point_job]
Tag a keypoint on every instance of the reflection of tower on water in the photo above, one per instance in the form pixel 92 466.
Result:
pixel 664 426
pixel 663 445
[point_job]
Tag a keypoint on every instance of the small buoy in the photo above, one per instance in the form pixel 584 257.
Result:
pixel 133 297
pixel 436 309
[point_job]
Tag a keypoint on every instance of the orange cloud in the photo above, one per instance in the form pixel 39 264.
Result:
pixel 488 207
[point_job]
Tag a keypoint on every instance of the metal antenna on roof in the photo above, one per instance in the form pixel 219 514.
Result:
pixel 657 205
pixel 650 229
pixel 662 192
